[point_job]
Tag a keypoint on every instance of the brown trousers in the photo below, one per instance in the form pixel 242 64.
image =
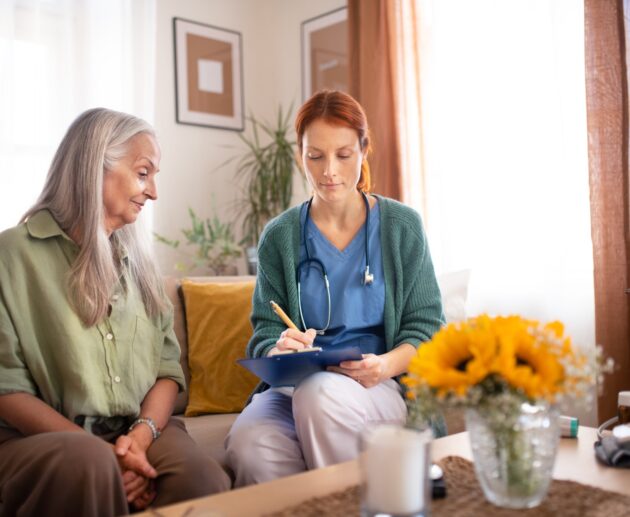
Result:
pixel 77 473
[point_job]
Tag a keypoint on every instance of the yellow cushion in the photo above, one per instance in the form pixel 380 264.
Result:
pixel 217 318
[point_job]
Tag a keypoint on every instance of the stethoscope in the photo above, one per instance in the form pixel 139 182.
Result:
pixel 368 278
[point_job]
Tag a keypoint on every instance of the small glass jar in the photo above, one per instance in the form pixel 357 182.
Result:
pixel 623 407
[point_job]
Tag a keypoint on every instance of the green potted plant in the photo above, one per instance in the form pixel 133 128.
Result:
pixel 266 170
pixel 216 246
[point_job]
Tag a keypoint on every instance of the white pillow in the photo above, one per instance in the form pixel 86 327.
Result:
pixel 454 288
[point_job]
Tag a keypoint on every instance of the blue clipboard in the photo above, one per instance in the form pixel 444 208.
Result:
pixel 290 369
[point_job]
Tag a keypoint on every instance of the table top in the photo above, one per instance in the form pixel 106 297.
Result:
pixel 575 461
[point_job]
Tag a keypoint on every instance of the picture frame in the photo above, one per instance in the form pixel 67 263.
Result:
pixel 208 75
pixel 325 52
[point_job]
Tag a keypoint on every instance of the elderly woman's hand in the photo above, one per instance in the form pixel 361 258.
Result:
pixel 146 498
pixel 368 371
pixel 131 454
pixel 292 339
pixel 137 472
pixel 139 489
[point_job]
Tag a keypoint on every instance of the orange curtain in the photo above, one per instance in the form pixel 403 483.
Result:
pixel 373 73
pixel 607 110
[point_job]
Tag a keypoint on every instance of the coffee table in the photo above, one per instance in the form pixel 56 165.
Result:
pixel 575 461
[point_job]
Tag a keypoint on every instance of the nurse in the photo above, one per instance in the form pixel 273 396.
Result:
pixel 349 267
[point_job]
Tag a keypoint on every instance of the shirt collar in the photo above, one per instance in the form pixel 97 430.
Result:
pixel 42 225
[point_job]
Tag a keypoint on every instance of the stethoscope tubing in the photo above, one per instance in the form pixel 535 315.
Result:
pixel 367 277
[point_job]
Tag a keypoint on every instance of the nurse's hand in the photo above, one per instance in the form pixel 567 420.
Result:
pixel 292 339
pixel 368 372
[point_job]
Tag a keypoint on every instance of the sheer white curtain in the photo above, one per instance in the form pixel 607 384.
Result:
pixel 406 31
pixel 58 58
pixel 505 155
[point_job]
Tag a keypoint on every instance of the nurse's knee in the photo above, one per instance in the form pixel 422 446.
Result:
pixel 245 443
pixel 323 396
pixel 261 452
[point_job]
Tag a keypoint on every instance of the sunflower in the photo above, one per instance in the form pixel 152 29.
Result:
pixel 486 360
pixel 458 357
pixel 528 356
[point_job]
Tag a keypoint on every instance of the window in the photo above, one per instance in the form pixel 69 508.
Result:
pixel 59 58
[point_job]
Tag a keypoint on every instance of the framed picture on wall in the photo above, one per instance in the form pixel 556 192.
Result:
pixel 208 75
pixel 325 52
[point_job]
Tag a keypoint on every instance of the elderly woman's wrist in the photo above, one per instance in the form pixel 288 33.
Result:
pixel 145 429
pixel 142 436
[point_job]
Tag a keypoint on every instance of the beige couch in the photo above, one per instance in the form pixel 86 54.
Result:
pixel 210 431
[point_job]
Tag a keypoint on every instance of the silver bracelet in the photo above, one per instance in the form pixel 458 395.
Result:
pixel 149 422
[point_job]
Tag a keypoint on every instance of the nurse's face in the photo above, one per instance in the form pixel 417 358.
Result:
pixel 332 157
pixel 130 182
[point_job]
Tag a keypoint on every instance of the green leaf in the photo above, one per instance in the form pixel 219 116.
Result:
pixel 164 240
pixel 213 240
pixel 265 167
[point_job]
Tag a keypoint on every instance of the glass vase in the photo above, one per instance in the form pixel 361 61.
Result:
pixel 514 453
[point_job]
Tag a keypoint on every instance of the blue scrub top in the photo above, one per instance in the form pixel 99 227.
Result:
pixel 356 309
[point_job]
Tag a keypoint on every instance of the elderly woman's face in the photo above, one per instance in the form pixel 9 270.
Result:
pixel 131 182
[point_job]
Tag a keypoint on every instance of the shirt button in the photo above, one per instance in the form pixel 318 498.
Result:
pixel 116 379
pixel 109 336
pixel 115 297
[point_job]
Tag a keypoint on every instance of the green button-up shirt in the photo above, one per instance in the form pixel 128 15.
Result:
pixel 96 376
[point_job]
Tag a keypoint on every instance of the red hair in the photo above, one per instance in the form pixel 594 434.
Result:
pixel 337 108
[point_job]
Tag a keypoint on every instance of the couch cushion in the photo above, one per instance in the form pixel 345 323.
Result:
pixel 173 290
pixel 454 289
pixel 218 328
pixel 209 432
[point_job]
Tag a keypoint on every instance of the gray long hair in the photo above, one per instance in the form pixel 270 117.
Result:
pixel 73 193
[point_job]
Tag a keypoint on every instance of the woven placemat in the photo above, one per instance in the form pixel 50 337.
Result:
pixel 465 499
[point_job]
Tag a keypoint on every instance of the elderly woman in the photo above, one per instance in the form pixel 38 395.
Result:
pixel 351 268
pixel 89 363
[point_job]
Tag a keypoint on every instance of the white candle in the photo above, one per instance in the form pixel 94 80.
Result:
pixel 394 468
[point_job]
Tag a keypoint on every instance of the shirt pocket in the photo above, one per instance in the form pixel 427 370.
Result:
pixel 147 344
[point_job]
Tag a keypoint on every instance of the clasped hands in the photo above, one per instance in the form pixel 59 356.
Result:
pixel 368 371
pixel 137 473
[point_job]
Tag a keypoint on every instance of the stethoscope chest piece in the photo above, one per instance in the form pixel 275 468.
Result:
pixel 368 278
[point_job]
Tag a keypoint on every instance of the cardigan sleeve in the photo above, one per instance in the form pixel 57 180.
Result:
pixel 270 285
pixel 421 312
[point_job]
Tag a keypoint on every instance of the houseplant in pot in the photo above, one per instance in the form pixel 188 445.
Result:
pixel 215 247
pixel 266 171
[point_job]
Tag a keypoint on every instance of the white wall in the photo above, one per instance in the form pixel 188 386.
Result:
pixel 270 31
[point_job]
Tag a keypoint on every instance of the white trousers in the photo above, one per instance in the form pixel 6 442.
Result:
pixel 278 434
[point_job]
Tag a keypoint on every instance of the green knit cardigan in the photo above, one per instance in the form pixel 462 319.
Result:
pixel 413 304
